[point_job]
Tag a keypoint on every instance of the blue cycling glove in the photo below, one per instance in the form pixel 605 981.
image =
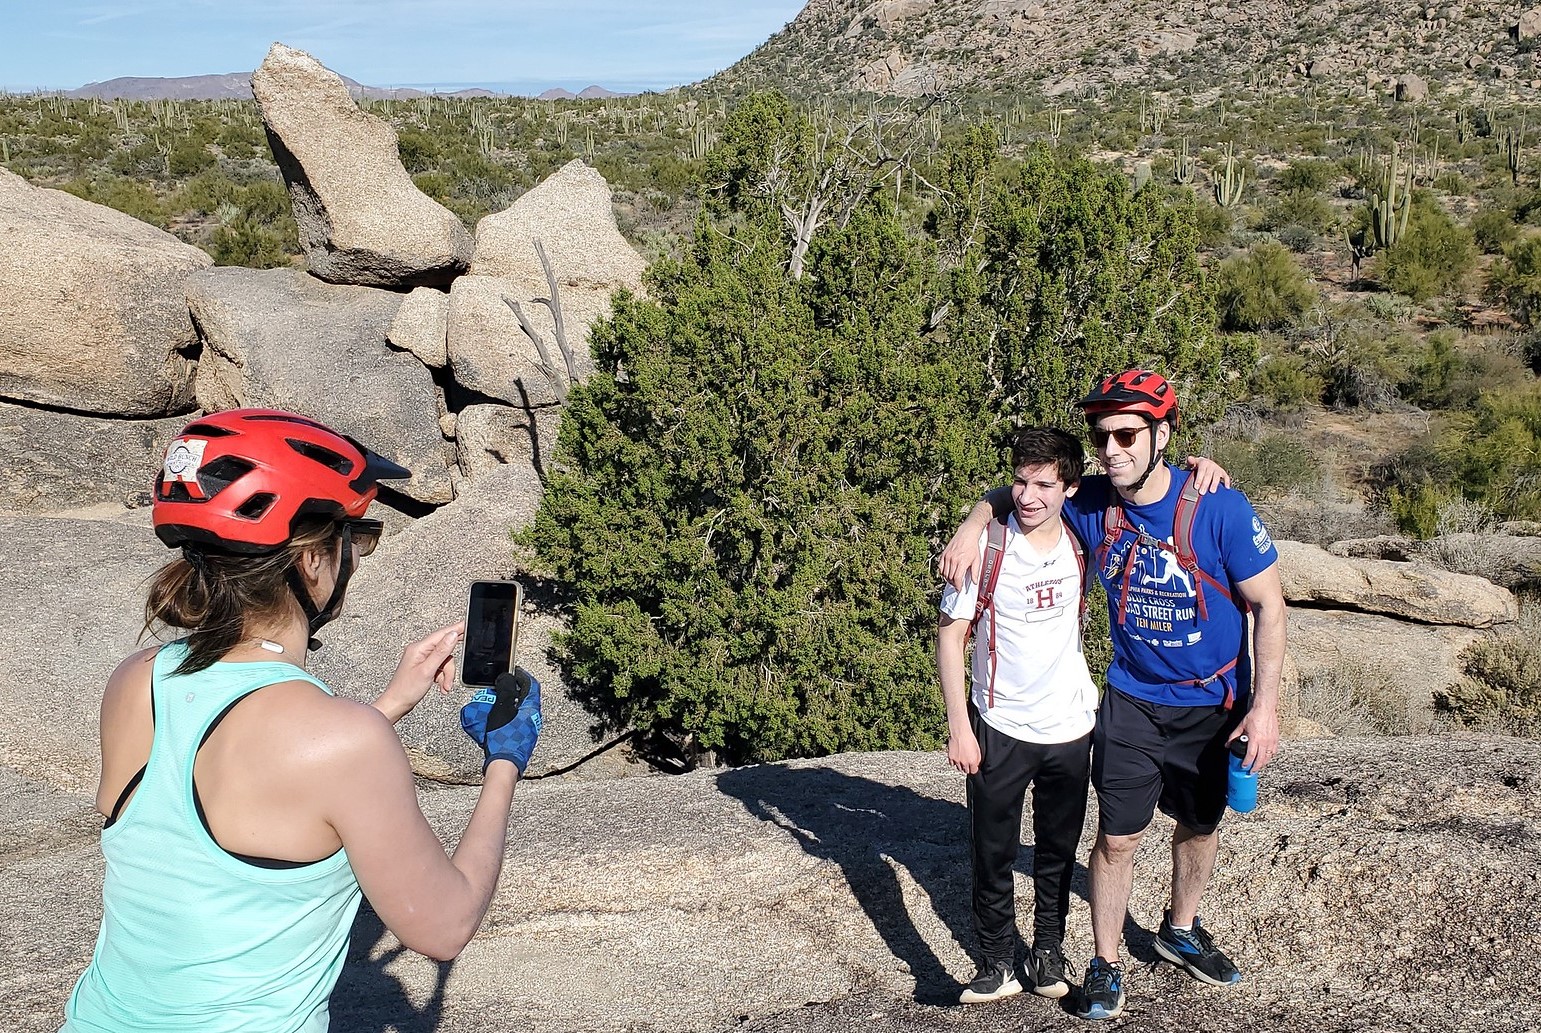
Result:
pixel 505 719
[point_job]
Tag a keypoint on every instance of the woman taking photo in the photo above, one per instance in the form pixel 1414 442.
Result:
pixel 247 807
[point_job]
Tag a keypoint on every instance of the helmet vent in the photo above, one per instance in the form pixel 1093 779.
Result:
pixel 215 477
pixel 207 430
pixel 258 504
pixel 325 456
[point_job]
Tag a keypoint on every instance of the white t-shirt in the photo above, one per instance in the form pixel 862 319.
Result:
pixel 1043 691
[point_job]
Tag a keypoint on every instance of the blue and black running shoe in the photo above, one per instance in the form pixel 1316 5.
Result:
pixel 1102 992
pixel 1193 950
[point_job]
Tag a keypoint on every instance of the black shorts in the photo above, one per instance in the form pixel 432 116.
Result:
pixel 1146 755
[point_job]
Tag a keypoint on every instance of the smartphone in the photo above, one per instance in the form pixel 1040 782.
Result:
pixel 492 631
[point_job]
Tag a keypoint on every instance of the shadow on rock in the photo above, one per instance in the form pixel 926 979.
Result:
pixel 368 999
pixel 869 829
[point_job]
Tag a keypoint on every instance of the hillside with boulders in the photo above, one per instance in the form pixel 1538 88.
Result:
pixel 916 47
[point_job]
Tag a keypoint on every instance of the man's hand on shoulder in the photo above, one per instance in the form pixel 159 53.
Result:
pixel 1208 475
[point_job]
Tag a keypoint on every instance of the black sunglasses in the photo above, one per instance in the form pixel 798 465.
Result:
pixel 364 533
pixel 1125 436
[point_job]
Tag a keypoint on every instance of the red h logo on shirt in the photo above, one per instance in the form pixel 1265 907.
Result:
pixel 1046 598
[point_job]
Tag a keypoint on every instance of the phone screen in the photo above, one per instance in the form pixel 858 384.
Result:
pixel 492 628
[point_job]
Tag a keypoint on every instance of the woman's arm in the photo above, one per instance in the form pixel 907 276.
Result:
pixel 433 903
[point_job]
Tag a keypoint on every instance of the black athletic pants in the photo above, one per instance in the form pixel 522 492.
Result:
pixel 1059 774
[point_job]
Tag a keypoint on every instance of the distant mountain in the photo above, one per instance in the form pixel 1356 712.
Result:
pixel 237 86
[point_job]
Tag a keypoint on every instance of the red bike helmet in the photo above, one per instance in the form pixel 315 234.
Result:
pixel 1135 391
pixel 238 480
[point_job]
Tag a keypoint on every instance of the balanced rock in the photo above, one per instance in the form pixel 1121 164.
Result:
pixel 1414 591
pixel 361 218
pixel 281 338
pixel 92 316
pixel 59 461
pixel 416 583
pixel 1411 88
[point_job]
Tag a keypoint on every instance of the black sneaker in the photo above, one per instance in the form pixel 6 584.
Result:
pixel 1196 952
pixel 1046 972
pixel 995 979
pixel 1102 992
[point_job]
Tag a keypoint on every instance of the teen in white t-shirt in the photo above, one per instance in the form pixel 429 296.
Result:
pixel 1027 720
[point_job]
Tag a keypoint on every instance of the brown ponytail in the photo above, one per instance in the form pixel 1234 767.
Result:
pixel 217 596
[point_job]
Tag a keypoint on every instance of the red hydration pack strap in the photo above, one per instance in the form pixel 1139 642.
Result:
pixel 1115 524
pixel 990 574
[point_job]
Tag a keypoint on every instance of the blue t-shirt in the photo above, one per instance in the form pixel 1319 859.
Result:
pixel 1163 647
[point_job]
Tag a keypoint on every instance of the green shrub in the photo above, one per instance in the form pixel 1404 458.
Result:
pixel 1306 177
pixel 1287 383
pixel 1516 278
pixel 1262 289
pixel 1432 259
pixel 1502 688
pixel 1272 464
pixel 1493 229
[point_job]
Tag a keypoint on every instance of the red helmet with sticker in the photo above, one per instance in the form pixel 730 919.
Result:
pixel 1135 391
pixel 239 480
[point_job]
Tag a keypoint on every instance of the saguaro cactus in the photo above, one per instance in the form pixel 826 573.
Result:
pixel 1229 183
pixel 1389 202
pixel 1182 165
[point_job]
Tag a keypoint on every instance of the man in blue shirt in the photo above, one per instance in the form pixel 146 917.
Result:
pixel 1182 684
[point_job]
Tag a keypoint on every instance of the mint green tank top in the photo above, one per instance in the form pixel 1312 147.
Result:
pixel 193 938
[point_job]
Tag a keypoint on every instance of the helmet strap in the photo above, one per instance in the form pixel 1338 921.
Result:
pixel 1155 456
pixel 319 617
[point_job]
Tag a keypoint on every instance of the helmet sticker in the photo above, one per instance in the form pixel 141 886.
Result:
pixel 184 456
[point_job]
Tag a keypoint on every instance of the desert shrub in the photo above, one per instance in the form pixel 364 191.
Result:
pixel 1502 688
pixel 1307 211
pixel 1442 372
pixel 789 450
pixel 1432 259
pixel 1273 463
pixel 1306 177
pixel 1493 229
pixel 1298 239
pixel 1358 698
pixel 1286 382
pixel 1516 278
pixel 128 196
pixel 1262 289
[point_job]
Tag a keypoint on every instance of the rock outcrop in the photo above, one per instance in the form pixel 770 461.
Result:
pixel 1414 591
pixel 283 339
pixel 91 314
pixel 361 218
pixel 57 461
pixel 846 879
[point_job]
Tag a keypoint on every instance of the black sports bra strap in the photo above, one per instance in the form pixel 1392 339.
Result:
pixel 117 808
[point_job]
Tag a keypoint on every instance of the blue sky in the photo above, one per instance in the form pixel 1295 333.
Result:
pixel 532 44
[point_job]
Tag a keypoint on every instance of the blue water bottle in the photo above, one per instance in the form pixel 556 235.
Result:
pixel 1241 788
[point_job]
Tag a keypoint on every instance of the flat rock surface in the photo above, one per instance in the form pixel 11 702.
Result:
pixel 833 895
